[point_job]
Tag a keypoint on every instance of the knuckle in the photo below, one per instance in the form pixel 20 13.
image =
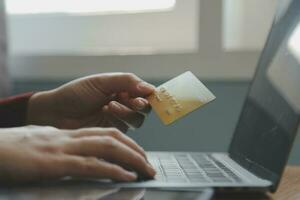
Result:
pixel 84 165
pixel 132 77
pixel 109 142
pixel 114 132
pixel 114 169
pixel 49 148
pixel 93 160
pixel 51 128
pixel 80 142
pixel 138 159
pixel 75 133
pixel 72 164
pixel 89 164
pixel 82 131
pixel 32 126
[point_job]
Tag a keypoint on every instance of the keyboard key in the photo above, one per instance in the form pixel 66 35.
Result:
pixel 182 167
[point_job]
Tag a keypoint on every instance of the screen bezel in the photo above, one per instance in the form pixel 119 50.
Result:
pixel 281 26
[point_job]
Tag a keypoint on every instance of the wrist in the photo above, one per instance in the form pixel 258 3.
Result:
pixel 40 109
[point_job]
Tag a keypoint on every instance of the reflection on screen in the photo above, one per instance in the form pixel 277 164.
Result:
pixel 270 117
pixel 284 71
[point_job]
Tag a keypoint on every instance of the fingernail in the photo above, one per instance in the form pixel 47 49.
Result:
pixel 145 86
pixel 115 105
pixel 141 104
pixel 151 170
pixel 105 108
pixel 145 102
pixel 130 176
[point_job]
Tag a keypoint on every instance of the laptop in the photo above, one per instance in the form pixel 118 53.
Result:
pixel 265 131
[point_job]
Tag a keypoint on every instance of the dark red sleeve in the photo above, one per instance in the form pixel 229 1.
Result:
pixel 13 110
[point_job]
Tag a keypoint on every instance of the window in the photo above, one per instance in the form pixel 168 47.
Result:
pixel 214 39
pixel 246 23
pixel 101 27
pixel 87 6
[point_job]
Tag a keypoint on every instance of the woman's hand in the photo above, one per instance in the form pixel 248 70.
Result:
pixel 102 100
pixel 35 153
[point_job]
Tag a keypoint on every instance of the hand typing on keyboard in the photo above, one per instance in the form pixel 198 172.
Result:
pixel 35 153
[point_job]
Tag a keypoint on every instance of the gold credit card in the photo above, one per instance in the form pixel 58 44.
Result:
pixel 179 96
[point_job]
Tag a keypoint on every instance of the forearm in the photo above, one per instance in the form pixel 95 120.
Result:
pixel 13 110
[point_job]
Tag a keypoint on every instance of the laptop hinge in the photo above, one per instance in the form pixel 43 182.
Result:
pixel 256 169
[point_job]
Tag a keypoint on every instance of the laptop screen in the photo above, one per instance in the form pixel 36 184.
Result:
pixel 270 117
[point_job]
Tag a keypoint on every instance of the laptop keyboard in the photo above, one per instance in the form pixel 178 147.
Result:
pixel 182 167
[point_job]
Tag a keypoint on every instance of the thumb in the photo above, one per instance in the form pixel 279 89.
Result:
pixel 111 83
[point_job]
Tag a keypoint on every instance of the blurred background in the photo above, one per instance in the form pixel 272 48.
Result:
pixel 54 41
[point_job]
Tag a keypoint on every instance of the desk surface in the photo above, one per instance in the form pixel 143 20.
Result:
pixel 289 189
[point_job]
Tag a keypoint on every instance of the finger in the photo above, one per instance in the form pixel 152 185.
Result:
pixel 123 97
pixel 123 82
pixel 92 167
pixel 119 124
pixel 111 150
pixel 113 121
pixel 140 105
pixel 126 114
pixel 106 120
pixel 112 132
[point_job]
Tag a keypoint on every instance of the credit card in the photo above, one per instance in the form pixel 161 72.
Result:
pixel 179 96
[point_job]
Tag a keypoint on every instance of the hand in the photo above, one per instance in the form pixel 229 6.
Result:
pixel 41 153
pixel 102 100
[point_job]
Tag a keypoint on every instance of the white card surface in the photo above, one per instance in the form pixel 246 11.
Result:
pixel 179 96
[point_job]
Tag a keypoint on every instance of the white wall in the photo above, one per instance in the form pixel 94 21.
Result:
pixel 165 31
pixel 210 61
pixel 246 23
